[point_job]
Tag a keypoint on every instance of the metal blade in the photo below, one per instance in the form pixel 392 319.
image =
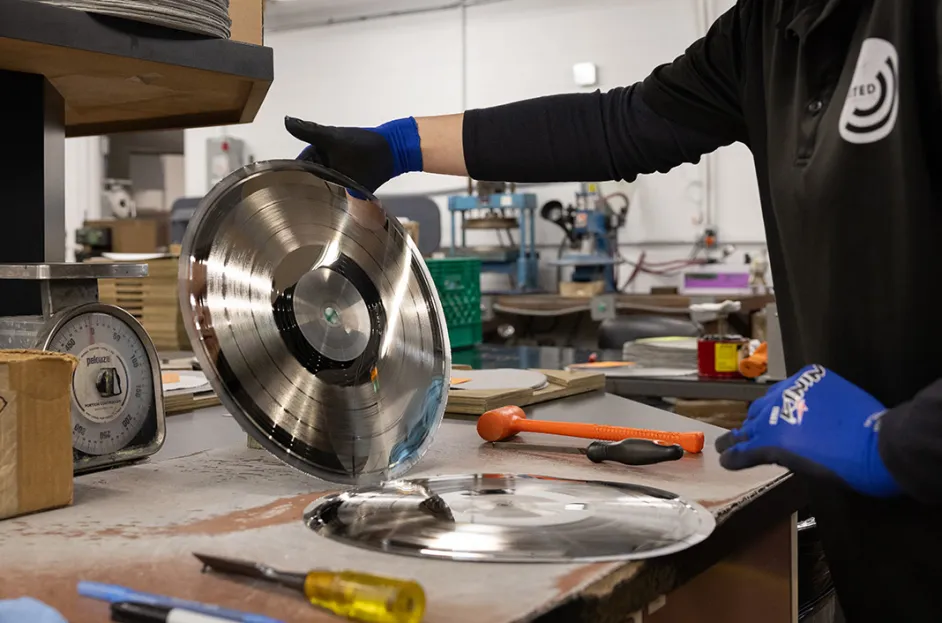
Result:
pixel 535 447
pixel 236 567
pixel 251 570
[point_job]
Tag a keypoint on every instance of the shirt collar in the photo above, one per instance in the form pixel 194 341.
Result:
pixel 800 17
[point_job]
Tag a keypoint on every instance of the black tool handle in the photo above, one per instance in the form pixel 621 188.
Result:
pixel 633 452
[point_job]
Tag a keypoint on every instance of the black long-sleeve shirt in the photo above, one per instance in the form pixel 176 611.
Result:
pixel 840 102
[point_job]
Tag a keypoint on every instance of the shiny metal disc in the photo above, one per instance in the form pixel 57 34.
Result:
pixel 316 321
pixel 512 518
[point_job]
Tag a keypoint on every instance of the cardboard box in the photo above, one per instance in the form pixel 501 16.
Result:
pixel 137 235
pixel 35 431
pixel 412 228
pixel 726 414
pixel 248 21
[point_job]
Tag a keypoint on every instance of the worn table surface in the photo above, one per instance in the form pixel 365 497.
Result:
pixel 137 525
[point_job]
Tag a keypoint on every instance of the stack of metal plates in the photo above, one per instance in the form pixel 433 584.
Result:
pixel 667 352
pixel 204 17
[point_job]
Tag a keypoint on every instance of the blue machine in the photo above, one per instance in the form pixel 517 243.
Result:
pixel 596 261
pixel 506 211
pixel 591 228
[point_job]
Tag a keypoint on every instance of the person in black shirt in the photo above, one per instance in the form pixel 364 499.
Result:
pixel 840 102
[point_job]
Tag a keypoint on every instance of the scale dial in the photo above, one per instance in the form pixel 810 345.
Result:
pixel 113 384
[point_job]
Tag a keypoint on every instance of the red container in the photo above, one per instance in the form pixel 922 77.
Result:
pixel 718 356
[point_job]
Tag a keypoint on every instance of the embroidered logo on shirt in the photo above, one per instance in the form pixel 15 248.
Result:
pixel 872 104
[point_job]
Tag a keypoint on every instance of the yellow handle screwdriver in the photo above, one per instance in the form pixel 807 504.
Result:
pixel 358 596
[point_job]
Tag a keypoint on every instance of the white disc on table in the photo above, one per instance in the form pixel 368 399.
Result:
pixel 500 379
pixel 184 381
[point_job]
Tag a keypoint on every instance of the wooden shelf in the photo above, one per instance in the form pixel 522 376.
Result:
pixel 118 75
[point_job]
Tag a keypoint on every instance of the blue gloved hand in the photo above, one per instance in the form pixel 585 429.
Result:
pixel 370 156
pixel 28 610
pixel 817 424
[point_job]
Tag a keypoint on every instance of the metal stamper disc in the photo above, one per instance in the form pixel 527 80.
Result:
pixel 316 321
pixel 508 518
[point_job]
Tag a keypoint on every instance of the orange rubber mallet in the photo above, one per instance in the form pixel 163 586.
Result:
pixel 505 422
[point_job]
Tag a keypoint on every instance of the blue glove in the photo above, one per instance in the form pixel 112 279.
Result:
pixel 369 156
pixel 28 610
pixel 817 424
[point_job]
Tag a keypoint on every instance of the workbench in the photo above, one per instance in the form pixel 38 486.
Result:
pixel 492 356
pixel 569 321
pixel 206 491
pixel 554 304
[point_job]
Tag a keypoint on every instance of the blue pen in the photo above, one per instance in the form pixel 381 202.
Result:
pixel 113 593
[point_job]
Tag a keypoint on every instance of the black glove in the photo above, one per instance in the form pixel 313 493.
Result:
pixel 370 156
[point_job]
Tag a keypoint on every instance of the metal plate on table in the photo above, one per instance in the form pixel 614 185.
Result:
pixel 316 321
pixel 61 271
pixel 512 518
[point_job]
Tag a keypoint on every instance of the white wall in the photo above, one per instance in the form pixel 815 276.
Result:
pixel 368 72
pixel 83 179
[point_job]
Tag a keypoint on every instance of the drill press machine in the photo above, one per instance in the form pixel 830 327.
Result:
pixel 590 244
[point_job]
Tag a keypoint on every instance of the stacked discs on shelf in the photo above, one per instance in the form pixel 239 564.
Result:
pixel 667 352
pixel 204 17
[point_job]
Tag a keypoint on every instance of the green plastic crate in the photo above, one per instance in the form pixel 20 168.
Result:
pixel 458 281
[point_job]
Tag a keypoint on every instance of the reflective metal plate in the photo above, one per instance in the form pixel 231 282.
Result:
pixel 507 518
pixel 316 322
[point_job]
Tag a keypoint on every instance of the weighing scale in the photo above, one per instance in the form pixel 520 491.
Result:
pixel 117 400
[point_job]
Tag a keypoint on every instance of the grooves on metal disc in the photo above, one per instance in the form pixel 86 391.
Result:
pixel 316 321
pixel 512 518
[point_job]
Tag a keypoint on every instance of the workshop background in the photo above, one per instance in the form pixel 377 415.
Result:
pixel 657 343
pixel 380 60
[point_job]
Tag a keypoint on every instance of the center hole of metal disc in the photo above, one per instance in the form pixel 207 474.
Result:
pixel 331 314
